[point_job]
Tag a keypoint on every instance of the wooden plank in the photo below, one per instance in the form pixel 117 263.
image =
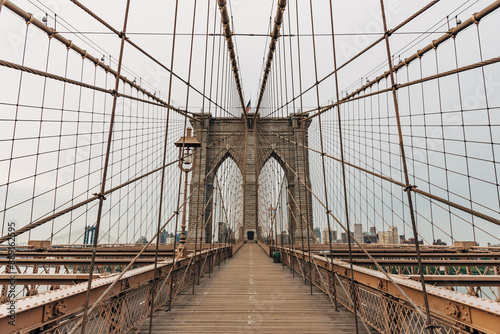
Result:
pixel 250 293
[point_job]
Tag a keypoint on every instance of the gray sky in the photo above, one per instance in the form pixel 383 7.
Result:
pixel 357 24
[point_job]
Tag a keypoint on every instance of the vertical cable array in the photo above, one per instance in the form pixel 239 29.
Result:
pixel 374 138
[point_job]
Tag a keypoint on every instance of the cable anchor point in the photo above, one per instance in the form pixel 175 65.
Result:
pixel 410 188
pixel 100 196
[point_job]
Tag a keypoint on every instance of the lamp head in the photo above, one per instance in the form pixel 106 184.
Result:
pixel 188 140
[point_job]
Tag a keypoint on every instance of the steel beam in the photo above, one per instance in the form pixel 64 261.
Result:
pixel 460 309
pixel 32 312
pixel 459 280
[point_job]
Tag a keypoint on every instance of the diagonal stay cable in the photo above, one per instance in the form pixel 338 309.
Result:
pixel 357 243
pixel 107 25
pixel 101 298
pixel 402 24
pixel 64 211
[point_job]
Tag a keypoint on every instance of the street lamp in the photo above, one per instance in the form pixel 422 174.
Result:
pixel 187 162
pixel 271 212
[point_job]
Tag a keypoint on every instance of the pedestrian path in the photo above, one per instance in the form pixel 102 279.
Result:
pixel 251 294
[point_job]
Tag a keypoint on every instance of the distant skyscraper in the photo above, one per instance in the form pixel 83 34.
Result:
pixel 333 236
pixel 389 237
pixel 317 233
pixel 142 240
pixel 358 233
pixel 344 237
pixel 163 237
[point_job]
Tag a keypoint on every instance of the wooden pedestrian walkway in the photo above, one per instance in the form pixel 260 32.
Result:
pixel 251 294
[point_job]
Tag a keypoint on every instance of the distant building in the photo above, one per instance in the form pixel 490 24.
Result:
pixel 438 242
pixel 163 237
pixel 317 233
pixel 88 237
pixel 344 238
pixel 332 237
pixel 370 238
pixel 411 241
pixel 142 240
pixel 358 233
pixel 390 237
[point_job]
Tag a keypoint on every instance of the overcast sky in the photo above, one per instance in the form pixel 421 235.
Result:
pixel 357 24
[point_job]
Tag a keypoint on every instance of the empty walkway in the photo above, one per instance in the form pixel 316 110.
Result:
pixel 250 293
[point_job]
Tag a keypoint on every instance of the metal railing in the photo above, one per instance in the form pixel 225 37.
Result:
pixel 380 307
pixel 131 306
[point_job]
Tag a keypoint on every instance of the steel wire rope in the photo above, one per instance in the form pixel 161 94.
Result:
pixel 114 31
pixel 95 304
pixel 292 197
pixel 76 148
pixel 433 45
pixel 409 19
pixel 38 141
pixel 87 10
pixel 197 217
pixel 430 327
pixel 416 190
pixel 103 181
pixel 415 41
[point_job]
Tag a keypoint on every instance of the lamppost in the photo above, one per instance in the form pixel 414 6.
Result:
pixel 271 212
pixel 187 162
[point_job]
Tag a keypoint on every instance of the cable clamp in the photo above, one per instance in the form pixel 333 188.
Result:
pixel 410 188
pixel 30 20
pixel 51 33
pixel 114 92
pixel 474 19
pixel 434 45
pixel 100 196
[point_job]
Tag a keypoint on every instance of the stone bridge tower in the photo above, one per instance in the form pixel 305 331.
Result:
pixel 251 144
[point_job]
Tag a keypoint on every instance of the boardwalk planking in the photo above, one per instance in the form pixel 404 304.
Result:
pixel 251 294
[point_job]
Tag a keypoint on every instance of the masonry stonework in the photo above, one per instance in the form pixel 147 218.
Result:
pixel 251 144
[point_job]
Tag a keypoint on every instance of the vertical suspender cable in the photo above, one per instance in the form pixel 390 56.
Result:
pixel 272 46
pixel 341 146
pixel 322 149
pixel 409 187
pixel 180 176
pixel 230 46
pixel 105 169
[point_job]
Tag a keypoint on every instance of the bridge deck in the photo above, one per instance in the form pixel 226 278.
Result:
pixel 249 293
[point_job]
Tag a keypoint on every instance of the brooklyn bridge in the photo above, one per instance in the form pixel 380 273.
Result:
pixel 230 166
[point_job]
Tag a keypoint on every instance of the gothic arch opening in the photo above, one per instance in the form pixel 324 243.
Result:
pixel 274 215
pixel 227 201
